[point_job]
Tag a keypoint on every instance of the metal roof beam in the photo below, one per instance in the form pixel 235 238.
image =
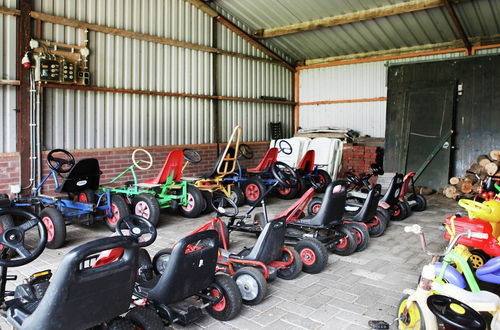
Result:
pixel 254 42
pixel 458 25
pixel 389 10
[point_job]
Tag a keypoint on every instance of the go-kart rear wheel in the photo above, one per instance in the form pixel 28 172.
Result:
pixel 254 189
pixel 413 318
pixel 362 235
pixel 194 203
pixel 301 186
pixel 293 270
pixel 398 212
pixel 145 318
pixel 120 323
pixel 146 205
pixel 408 209
pixel 313 254
pixel 86 196
pixel 314 205
pixel 55 225
pixel 477 259
pixel 207 201
pixel 421 202
pixel 6 222
pixel 161 259
pixel 286 192
pixel 237 195
pixel 252 285
pixel 119 209
pixel 324 179
pixel 346 242
pixel 230 304
pixel 378 224
pixel 224 233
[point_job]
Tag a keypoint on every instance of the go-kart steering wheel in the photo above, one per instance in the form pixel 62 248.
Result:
pixel 376 169
pixel 352 178
pixel 137 226
pixel 224 206
pixel 455 313
pixel 13 238
pixel 58 164
pixel 191 155
pixel 285 175
pixel 285 147
pixel 474 207
pixel 137 162
pixel 245 151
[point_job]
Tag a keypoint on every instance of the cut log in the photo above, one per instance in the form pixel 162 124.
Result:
pixel 471 177
pixel 476 168
pixel 456 196
pixel 454 180
pixel 491 168
pixel 449 191
pixel 464 186
pixel 476 188
pixel 483 160
pixel 424 190
pixel 495 154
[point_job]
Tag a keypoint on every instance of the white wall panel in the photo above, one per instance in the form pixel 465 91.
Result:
pixel 8 67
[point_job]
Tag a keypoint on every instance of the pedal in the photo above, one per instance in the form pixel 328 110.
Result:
pixel 36 278
pixel 378 324
pixel 185 313
pixel 273 273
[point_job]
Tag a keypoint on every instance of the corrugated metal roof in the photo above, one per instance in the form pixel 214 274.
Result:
pixel 480 18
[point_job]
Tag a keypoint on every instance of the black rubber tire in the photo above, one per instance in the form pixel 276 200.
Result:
pixel 258 280
pixel 477 259
pixel 145 318
pixel 319 255
pixel 286 193
pixel 225 234
pixel 148 207
pixel 403 301
pixel 197 196
pixel 232 296
pixel 158 270
pixel 399 212
pixel 122 210
pixel 347 247
pixel 207 197
pixel 51 217
pixel 408 209
pixel 256 184
pixel 144 259
pixel 377 225
pixel 6 222
pixel 313 205
pixel 86 196
pixel 120 323
pixel 362 235
pixel 237 195
pixel 421 202
pixel 325 179
pixel 292 271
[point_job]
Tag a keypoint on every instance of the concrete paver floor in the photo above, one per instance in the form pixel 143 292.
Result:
pixel 351 291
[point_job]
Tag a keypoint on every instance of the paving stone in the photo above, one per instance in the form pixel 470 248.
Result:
pixel 336 323
pixel 339 294
pixel 280 325
pixel 269 316
pixel 324 313
pixel 299 309
pixel 300 321
pixel 348 306
pixel 354 318
pixel 318 301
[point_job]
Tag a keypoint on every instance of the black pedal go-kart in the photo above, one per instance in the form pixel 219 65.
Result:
pixel 77 296
pixel 167 283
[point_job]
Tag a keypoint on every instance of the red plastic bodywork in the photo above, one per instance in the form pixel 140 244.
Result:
pixel 267 161
pixel 306 164
pixel 462 224
pixel 172 163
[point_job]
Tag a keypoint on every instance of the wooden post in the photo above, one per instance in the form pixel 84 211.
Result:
pixel 23 93
pixel 215 73
pixel 296 99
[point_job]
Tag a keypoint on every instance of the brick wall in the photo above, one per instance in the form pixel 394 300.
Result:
pixel 357 159
pixel 114 161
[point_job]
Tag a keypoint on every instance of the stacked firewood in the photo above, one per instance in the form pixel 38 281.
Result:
pixel 470 184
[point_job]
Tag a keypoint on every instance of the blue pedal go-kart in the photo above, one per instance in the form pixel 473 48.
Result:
pixel 76 200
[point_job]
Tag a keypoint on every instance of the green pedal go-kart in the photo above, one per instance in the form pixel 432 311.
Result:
pixel 166 190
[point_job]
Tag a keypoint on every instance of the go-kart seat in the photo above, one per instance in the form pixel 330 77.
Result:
pixel 213 173
pixel 187 273
pixel 332 208
pixel 369 208
pixel 267 161
pixel 269 245
pixel 173 163
pixel 392 194
pixel 306 164
pixel 84 175
pixel 81 298
pixel 406 183
pixel 490 271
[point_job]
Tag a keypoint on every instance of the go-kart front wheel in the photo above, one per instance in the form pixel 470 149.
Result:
pixel 399 212
pixel 146 205
pixel 314 205
pixel 378 224
pixel 194 203
pixel 254 189
pixel 293 270
pixel 324 179
pixel 412 319
pixel 362 235
pixel 55 225
pixel 145 318
pixel 229 305
pixel 237 195
pixel 119 209
pixel 252 285
pixel 313 255
pixel 345 244
pixel 421 202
